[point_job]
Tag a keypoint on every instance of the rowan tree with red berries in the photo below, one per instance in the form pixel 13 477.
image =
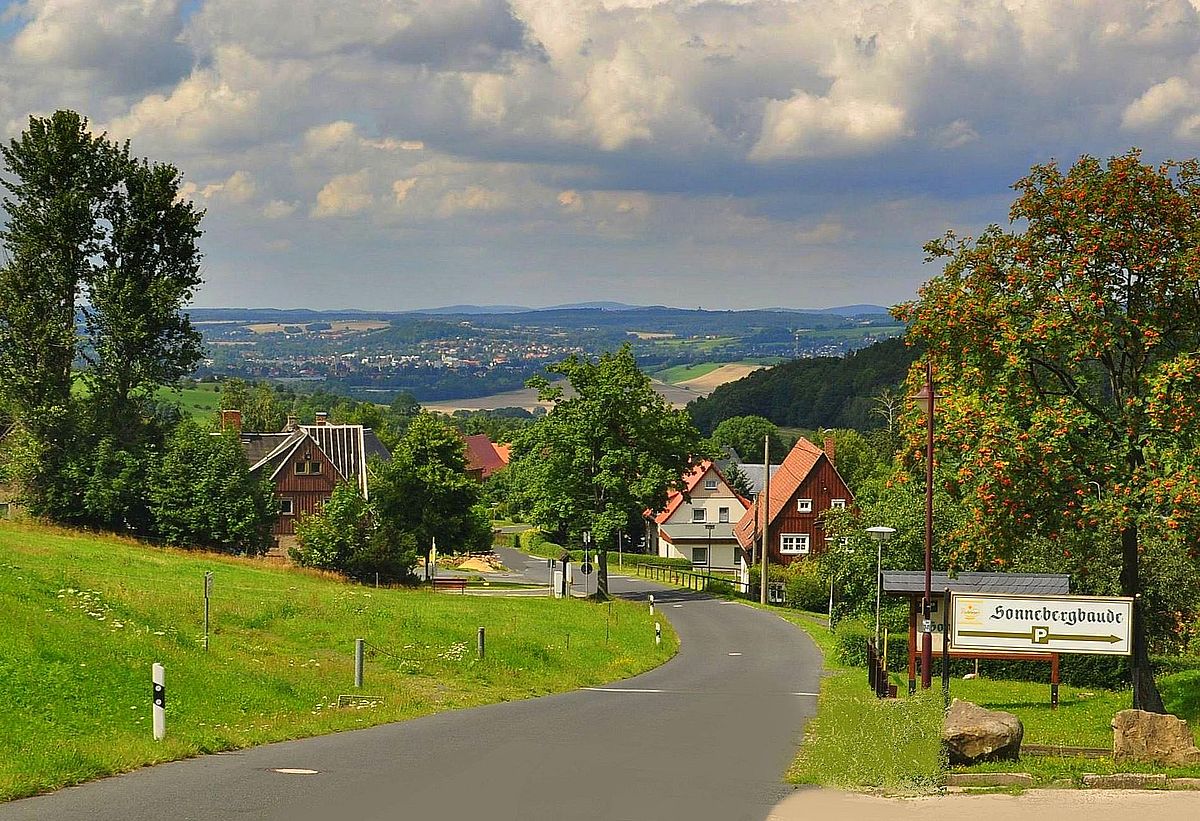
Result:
pixel 1067 353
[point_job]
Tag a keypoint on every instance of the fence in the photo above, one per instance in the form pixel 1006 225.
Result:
pixel 877 672
pixel 689 579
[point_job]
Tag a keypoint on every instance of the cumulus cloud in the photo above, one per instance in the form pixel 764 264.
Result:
pixel 809 126
pixel 127 45
pixel 640 130
pixel 1160 103
pixel 471 198
pixel 343 196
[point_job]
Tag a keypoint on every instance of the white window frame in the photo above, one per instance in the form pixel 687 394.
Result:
pixel 287 507
pixel 704 559
pixel 699 515
pixel 837 504
pixel 723 515
pixel 710 484
pixel 795 544
pixel 804 506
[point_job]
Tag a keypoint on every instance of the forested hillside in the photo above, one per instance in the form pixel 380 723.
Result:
pixel 810 393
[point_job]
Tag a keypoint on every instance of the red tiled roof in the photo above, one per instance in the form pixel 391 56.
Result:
pixel 484 456
pixel 784 482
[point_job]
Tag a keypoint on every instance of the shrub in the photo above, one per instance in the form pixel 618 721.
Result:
pixel 805 589
pixel 850 642
pixel 719 587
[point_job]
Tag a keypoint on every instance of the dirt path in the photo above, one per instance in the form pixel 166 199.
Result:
pixel 1032 805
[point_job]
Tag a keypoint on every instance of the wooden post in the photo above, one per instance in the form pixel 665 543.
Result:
pixel 912 645
pixel 1054 681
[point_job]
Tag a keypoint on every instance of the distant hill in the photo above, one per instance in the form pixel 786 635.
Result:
pixel 810 393
pixel 853 310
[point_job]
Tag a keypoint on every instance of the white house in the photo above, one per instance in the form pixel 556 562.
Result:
pixel 697 522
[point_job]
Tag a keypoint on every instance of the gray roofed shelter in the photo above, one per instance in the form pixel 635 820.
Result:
pixel 912 583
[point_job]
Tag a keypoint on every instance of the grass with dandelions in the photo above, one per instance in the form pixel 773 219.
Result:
pixel 83 617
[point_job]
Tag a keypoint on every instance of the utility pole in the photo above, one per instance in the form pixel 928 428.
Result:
pixel 766 506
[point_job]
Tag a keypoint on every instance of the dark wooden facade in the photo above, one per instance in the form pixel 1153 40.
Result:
pixel 306 490
pixel 822 485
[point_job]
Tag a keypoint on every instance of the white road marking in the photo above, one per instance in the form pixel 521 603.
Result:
pixel 735 654
pixel 680 692
pixel 677 605
pixel 294 771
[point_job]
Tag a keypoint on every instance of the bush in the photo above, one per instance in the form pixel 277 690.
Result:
pixel 719 587
pixel 850 645
pixel 805 589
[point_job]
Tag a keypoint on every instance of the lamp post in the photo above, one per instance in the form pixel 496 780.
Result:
pixel 880 535
pixel 708 553
pixel 926 398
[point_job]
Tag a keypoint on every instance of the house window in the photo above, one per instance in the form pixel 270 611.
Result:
pixel 723 515
pixel 699 515
pixel 308 468
pixel 710 484
pixel 837 504
pixel 804 505
pixel 314 468
pixel 302 468
pixel 285 507
pixel 699 555
pixel 793 543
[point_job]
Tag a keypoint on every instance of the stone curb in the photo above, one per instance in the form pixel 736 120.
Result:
pixel 989 780
pixel 1139 781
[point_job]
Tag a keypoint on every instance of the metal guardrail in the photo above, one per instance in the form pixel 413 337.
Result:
pixel 688 579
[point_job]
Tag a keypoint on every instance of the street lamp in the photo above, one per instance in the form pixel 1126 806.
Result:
pixel 708 553
pixel 880 535
pixel 926 401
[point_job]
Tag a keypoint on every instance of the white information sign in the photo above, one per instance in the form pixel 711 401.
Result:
pixel 1041 624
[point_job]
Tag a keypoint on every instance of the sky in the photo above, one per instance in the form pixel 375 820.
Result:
pixel 400 154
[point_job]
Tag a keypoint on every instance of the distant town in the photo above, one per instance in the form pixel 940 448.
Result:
pixel 440 356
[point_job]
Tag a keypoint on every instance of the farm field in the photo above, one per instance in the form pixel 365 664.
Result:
pixel 83 617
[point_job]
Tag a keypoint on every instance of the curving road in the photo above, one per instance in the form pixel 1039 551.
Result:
pixel 706 736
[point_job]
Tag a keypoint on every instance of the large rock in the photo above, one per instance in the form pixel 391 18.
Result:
pixel 1153 738
pixel 971 733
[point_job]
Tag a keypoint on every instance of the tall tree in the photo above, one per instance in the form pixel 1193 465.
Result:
pixel 604 454
pixel 745 434
pixel 424 490
pixel 95 232
pixel 56 174
pixel 1066 351
pixel 149 265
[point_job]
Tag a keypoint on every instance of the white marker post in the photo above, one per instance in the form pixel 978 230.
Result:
pixel 160 701
pixel 651 604
pixel 657 633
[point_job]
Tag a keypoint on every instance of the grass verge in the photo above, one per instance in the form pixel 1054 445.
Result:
pixel 896 742
pixel 83 617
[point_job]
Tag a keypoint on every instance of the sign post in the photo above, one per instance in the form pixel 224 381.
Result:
pixel 1041 624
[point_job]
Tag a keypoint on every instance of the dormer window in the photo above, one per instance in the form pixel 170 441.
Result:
pixel 804 505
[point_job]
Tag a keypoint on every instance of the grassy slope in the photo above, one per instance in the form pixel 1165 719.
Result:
pixel 82 618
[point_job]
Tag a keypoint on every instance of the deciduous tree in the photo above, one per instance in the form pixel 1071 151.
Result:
pixel 1066 349
pixel 605 453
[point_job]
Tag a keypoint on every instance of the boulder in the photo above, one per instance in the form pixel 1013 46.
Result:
pixel 971 733
pixel 1153 738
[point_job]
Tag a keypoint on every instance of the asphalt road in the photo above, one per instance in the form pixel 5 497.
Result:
pixel 706 736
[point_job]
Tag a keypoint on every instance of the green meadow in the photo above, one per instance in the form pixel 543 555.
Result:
pixel 83 618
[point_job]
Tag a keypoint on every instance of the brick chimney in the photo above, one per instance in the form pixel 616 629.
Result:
pixel 322 418
pixel 231 420
pixel 829 447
